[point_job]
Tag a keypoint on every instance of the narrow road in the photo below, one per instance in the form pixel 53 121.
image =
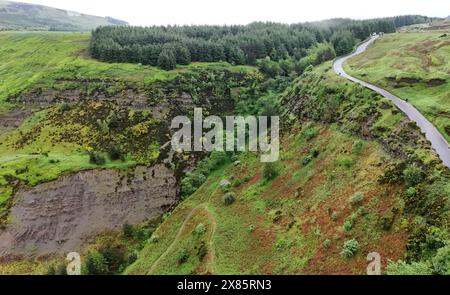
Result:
pixel 438 142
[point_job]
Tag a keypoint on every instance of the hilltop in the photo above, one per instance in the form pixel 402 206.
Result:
pixel 31 17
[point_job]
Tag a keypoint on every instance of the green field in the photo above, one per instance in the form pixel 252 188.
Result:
pixel 298 221
pixel 343 174
pixel 413 66
pixel 25 16
pixel 33 60
pixel 36 152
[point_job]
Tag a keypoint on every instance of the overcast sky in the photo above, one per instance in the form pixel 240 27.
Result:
pixel 163 12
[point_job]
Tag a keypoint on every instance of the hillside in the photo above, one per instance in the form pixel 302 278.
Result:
pixel 413 66
pixel 335 183
pixel 86 166
pixel 31 17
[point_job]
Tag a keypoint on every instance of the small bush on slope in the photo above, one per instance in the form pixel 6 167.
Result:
pixel 270 171
pixel 413 175
pixel 229 199
pixel 356 199
pixel 350 248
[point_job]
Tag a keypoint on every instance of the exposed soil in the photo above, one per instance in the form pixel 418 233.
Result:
pixel 57 217
pixel 12 119
pixel 403 81
pixel 435 82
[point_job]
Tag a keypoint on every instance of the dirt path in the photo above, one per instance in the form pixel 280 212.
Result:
pixel 438 142
pixel 211 254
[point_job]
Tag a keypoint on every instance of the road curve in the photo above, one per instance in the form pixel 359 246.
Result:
pixel 438 142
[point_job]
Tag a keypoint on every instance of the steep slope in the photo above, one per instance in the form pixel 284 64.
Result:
pixel 92 135
pixel 355 176
pixel 341 179
pixel 24 16
pixel 414 67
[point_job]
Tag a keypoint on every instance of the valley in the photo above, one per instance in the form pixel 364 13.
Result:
pixel 86 163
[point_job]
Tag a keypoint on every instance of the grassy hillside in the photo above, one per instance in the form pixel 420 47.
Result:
pixel 37 61
pixel 296 223
pixel 24 16
pixel 354 175
pixel 413 66
pixel 330 201
pixel 58 138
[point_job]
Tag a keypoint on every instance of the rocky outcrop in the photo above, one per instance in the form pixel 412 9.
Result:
pixel 12 119
pixel 58 217
pixel 126 98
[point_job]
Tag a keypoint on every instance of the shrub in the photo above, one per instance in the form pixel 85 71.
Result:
pixel 64 107
pixel 357 147
pixel 306 160
pixel 356 199
pixel 154 239
pixel 115 257
pixel 403 268
pixel 314 153
pixel 348 225
pixel 229 199
pixel 127 231
pixel 112 120
pixel 413 175
pixel 200 229
pixel 182 256
pixel 411 192
pixel 57 270
pixel 281 244
pixel 327 243
pixel 310 132
pixel 96 264
pixel 386 221
pixel 96 159
pixel 132 257
pixel 350 248
pixel 196 178
pixel 270 171
pixel 115 153
pixel 436 238
pixel 346 161
pixel 441 262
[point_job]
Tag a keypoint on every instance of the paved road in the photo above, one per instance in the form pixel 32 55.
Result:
pixel 438 142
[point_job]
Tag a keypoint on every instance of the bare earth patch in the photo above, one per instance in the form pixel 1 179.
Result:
pixel 57 217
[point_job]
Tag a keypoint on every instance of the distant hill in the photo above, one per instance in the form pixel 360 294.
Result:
pixel 24 16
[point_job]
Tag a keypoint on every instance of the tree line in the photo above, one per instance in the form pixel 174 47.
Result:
pixel 168 46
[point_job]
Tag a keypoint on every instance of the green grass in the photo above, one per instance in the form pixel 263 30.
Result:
pixel 420 56
pixel 42 18
pixel 39 150
pixel 248 238
pixel 280 226
pixel 32 60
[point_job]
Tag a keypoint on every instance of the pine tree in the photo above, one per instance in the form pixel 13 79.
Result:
pixel 183 56
pixel 166 60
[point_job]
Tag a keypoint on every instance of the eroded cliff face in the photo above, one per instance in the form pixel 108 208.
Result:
pixel 59 216
pixel 12 119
